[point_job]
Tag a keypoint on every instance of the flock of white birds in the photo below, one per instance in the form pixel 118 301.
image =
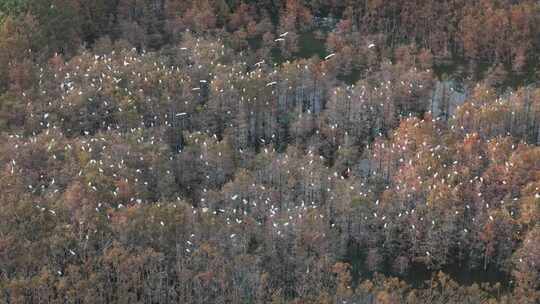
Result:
pixel 116 74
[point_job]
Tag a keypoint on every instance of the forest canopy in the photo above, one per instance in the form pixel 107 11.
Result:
pixel 240 151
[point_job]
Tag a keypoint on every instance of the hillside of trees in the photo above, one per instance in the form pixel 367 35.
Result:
pixel 270 151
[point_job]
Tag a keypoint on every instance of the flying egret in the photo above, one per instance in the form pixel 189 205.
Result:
pixel 329 56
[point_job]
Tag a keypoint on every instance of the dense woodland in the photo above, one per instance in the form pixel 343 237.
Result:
pixel 236 151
